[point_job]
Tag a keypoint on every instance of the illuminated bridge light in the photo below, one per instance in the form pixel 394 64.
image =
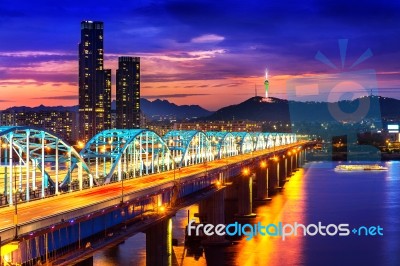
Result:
pixel 263 164
pixel 246 171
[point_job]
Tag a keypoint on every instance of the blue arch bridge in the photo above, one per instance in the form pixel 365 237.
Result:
pixel 49 191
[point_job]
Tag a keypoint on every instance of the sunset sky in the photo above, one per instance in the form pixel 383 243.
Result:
pixel 211 53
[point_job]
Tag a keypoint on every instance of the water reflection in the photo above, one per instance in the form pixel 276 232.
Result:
pixel 130 252
pixel 286 206
pixel 316 193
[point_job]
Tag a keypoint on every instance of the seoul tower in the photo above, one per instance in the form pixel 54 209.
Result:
pixel 266 83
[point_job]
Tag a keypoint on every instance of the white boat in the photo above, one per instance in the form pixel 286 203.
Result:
pixel 360 167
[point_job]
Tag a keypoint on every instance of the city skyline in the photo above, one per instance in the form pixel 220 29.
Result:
pixel 205 53
pixel 94 82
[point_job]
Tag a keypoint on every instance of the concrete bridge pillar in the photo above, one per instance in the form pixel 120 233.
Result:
pixel 282 164
pixel 231 192
pixel 245 195
pixel 273 175
pixel 304 157
pixel 289 165
pixel 223 177
pixel 262 182
pixel 296 161
pixel 159 243
pixel 212 210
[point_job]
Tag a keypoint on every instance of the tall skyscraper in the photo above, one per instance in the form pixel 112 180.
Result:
pixel 128 92
pixel 94 82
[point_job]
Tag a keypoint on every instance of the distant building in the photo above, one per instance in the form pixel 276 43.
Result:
pixel 162 128
pixel 94 82
pixel 62 123
pixel 128 93
pixel 229 126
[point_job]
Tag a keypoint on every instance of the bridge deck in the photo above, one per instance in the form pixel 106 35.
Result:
pixel 63 203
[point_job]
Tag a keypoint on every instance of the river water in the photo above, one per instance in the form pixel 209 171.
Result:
pixel 313 194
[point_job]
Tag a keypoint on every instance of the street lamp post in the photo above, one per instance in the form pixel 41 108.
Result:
pixel 16 205
pixel 122 189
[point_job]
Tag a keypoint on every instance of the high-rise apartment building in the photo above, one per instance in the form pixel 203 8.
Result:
pixel 94 82
pixel 62 123
pixel 128 93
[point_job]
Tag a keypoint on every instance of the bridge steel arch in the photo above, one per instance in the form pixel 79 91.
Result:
pixel 282 139
pixel 269 139
pixel 188 146
pixel 293 138
pixel 244 141
pixel 33 161
pixel 126 153
pixel 258 140
pixel 288 138
pixel 222 144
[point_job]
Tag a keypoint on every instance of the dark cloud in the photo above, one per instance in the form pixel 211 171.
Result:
pixel 177 95
pixel 226 85
pixel 62 97
pixel 43 77
pixel 5 101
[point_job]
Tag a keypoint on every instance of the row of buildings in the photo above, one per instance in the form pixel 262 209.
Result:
pixel 66 123
pixel 62 123
pixel 95 85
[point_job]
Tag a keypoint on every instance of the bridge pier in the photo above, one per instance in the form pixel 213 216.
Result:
pixel 212 210
pixel 245 195
pixel 282 171
pixel 289 166
pixel 273 175
pixel 262 182
pixel 302 157
pixel 159 243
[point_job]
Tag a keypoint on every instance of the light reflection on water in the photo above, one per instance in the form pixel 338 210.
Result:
pixel 316 193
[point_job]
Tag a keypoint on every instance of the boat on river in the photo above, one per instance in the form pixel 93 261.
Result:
pixel 360 167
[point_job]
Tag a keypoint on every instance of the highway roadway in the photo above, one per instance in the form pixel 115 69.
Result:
pixel 28 211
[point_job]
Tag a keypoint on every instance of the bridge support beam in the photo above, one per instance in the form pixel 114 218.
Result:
pixel 159 244
pixel 262 183
pixel 245 196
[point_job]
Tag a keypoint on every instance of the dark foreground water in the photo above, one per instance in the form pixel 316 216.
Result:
pixel 314 194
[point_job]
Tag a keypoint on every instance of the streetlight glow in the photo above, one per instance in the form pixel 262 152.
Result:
pixel 246 171
pixel 263 164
